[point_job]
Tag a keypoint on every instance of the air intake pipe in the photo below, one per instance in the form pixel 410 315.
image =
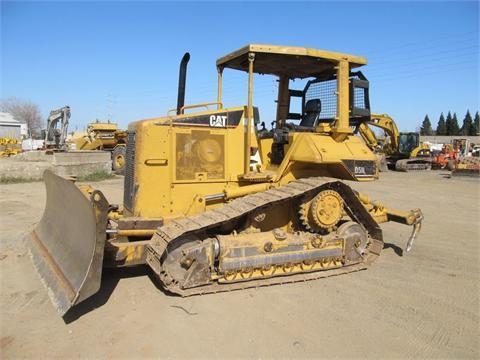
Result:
pixel 182 76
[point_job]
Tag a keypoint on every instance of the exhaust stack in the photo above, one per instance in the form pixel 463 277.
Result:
pixel 182 76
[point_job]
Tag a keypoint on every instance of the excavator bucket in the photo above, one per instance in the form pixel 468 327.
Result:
pixel 67 244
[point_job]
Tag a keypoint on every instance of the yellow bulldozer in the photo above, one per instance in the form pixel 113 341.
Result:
pixel 213 204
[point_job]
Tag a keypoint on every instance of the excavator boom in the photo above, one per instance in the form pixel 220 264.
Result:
pixel 57 128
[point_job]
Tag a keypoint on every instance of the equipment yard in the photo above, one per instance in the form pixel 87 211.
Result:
pixel 422 305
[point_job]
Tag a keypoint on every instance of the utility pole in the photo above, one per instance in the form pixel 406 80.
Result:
pixel 110 103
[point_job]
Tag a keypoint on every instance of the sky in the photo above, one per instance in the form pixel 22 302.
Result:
pixel 119 60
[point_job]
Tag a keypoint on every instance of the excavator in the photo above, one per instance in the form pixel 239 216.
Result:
pixel 55 134
pixel 379 148
pixel 213 204
pixel 403 151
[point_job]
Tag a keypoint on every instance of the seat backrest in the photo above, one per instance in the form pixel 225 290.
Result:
pixel 312 113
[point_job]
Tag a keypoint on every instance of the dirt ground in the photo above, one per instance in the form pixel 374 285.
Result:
pixel 423 305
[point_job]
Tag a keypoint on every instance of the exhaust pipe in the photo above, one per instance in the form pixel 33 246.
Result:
pixel 182 76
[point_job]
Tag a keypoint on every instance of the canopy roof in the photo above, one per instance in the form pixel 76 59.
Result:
pixel 291 61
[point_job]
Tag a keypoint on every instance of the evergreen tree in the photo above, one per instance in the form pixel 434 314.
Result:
pixel 475 130
pixel 448 124
pixel 467 125
pixel 426 128
pixel 454 128
pixel 441 126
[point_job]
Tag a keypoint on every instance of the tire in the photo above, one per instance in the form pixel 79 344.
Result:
pixel 118 159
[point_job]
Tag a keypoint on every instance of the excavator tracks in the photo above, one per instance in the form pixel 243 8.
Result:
pixel 191 229
pixel 414 164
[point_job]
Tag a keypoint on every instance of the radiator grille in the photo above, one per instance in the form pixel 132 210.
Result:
pixel 200 153
pixel 129 185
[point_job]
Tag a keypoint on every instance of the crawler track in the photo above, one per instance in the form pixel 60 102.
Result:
pixel 167 236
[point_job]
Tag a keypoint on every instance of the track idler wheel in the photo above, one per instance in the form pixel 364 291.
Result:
pixel 356 241
pixel 189 264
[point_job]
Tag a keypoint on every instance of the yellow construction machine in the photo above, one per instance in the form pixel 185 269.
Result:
pixel 403 150
pixel 212 204
pixel 10 146
pixel 465 162
pixel 378 146
pixel 103 136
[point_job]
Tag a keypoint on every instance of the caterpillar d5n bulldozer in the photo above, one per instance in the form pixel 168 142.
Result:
pixel 212 204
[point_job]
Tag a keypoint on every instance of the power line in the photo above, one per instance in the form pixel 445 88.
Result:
pixel 433 56
pixel 424 71
pixel 468 36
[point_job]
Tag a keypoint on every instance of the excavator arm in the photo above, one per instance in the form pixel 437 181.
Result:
pixel 55 136
pixel 402 150
pixel 368 136
pixel 386 123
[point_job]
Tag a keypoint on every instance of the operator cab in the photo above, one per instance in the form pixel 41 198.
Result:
pixel 408 142
pixel 323 100
pixel 319 104
pixel 317 91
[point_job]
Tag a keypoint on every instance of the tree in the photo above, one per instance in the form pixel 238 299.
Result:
pixel 451 124
pixel 476 125
pixel 448 124
pixel 426 128
pixel 24 111
pixel 441 126
pixel 454 128
pixel 467 125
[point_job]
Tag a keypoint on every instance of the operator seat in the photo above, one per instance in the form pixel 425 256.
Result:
pixel 312 113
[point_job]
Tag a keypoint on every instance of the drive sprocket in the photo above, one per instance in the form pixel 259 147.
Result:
pixel 322 212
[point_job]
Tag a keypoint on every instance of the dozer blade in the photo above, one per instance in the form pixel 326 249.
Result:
pixel 67 244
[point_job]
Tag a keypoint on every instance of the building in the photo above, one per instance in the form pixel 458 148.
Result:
pixel 10 127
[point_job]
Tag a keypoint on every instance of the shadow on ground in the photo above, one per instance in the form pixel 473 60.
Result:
pixel 397 250
pixel 111 277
